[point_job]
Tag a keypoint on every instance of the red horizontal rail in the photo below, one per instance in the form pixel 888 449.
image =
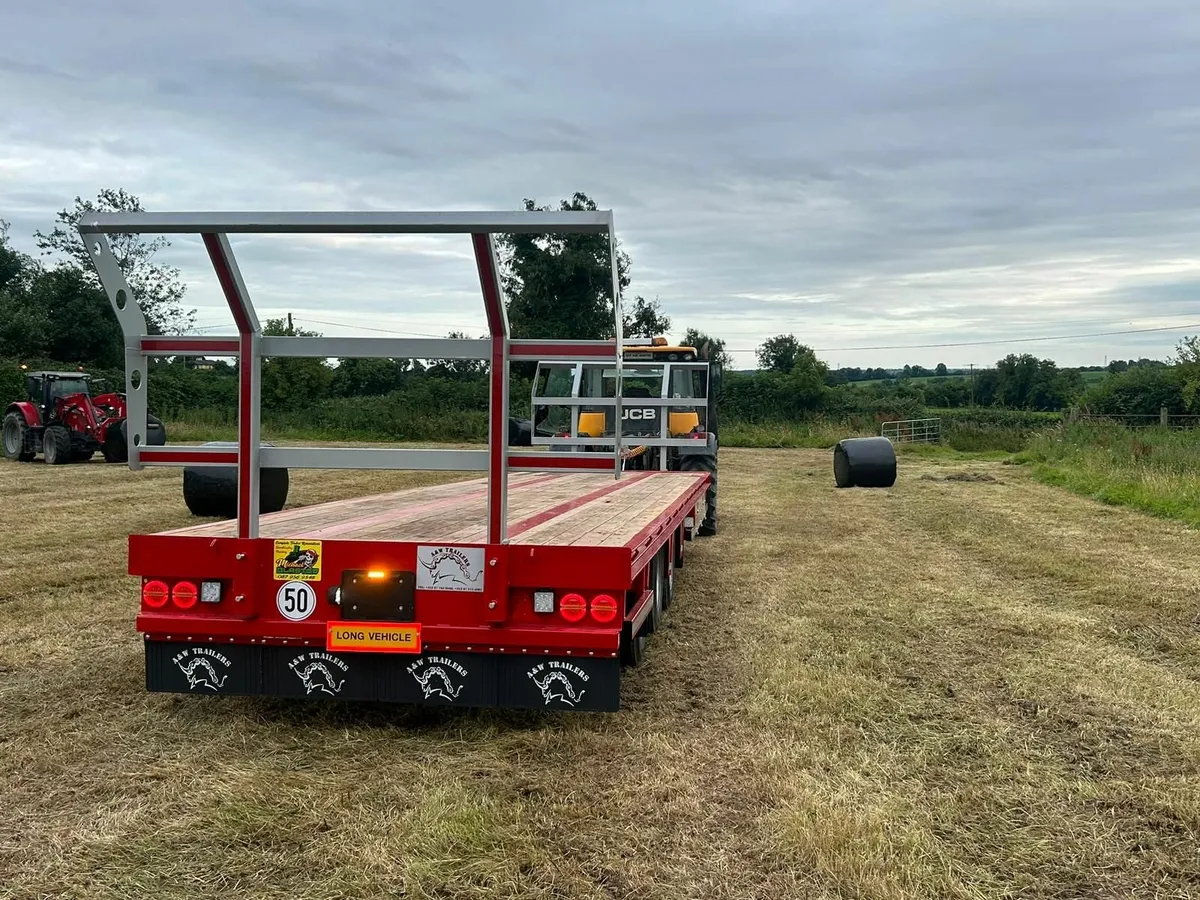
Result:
pixel 175 456
pixel 552 349
pixel 541 461
pixel 183 345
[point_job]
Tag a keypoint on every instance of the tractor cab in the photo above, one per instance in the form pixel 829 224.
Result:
pixel 45 389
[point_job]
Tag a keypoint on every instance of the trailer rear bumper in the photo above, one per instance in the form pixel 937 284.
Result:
pixel 521 681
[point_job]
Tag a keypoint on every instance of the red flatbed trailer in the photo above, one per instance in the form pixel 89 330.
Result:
pixel 528 590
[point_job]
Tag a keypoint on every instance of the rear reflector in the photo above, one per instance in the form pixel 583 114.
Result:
pixel 155 594
pixel 210 592
pixel 572 607
pixel 543 601
pixel 604 608
pixel 185 594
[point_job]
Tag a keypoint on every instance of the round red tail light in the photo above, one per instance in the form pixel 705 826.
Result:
pixel 155 594
pixel 572 607
pixel 185 594
pixel 604 608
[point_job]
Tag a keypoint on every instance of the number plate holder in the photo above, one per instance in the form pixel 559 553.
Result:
pixel 378 596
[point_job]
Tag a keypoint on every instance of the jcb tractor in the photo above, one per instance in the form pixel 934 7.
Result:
pixel 60 419
pixel 664 403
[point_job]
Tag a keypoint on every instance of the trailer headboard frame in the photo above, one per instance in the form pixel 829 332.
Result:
pixel 250 346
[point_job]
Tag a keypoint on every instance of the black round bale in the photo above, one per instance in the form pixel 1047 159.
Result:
pixel 212 490
pixel 864 462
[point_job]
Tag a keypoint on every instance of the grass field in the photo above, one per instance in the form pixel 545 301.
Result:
pixel 1153 469
pixel 971 685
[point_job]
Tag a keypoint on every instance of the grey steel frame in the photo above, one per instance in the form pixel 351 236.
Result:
pixel 250 346
pixel 574 401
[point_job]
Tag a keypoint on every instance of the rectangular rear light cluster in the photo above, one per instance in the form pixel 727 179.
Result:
pixel 182 594
pixel 575 607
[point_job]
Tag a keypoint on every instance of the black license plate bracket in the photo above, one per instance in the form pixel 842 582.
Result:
pixel 370 596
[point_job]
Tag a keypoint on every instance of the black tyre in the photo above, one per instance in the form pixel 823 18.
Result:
pixel 633 647
pixel 115 448
pixel 668 557
pixel 16 440
pixel 658 577
pixel 81 455
pixel 704 463
pixel 212 490
pixel 156 432
pixel 56 445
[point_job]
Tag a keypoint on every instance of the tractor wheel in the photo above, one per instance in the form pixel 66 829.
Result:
pixel 114 448
pixel 704 463
pixel 56 445
pixel 16 438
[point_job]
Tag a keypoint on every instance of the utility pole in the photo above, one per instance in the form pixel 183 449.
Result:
pixel 972 385
pixel 289 323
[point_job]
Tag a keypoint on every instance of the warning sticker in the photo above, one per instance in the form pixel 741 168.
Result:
pixel 378 637
pixel 297 560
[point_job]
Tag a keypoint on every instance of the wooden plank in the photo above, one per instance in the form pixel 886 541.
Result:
pixel 457 511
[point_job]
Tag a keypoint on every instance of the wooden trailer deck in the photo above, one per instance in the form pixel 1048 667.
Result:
pixel 561 509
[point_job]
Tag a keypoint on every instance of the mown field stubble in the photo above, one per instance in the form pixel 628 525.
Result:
pixel 971 685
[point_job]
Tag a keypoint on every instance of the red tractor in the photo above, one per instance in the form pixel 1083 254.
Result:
pixel 63 421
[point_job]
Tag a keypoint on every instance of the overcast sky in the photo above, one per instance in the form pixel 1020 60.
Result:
pixel 859 174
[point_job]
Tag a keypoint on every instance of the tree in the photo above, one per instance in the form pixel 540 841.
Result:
pixel 941 369
pixel 716 351
pixel 157 288
pixel 292 382
pixel 779 353
pixel 457 368
pixel 1187 359
pixel 643 318
pixel 560 285
pixel 24 327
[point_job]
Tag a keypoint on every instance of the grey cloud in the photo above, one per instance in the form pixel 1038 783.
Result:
pixel 925 169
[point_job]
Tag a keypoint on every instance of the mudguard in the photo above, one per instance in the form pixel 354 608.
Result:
pixel 28 410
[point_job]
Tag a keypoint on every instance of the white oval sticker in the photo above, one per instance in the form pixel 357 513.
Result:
pixel 296 600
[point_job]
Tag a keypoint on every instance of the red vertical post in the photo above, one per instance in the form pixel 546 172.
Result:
pixel 493 302
pixel 249 373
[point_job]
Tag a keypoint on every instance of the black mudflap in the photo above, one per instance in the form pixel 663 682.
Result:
pixel 445 679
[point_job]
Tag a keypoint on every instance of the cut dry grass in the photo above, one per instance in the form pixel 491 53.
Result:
pixel 953 688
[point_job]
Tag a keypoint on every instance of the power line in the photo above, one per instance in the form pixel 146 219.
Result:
pixel 369 328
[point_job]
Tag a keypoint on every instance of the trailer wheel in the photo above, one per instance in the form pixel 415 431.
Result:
pixel 658 579
pixel 668 555
pixel 56 445
pixel 633 647
pixel 16 438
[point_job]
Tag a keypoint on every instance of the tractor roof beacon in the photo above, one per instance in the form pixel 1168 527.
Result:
pixel 529 587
